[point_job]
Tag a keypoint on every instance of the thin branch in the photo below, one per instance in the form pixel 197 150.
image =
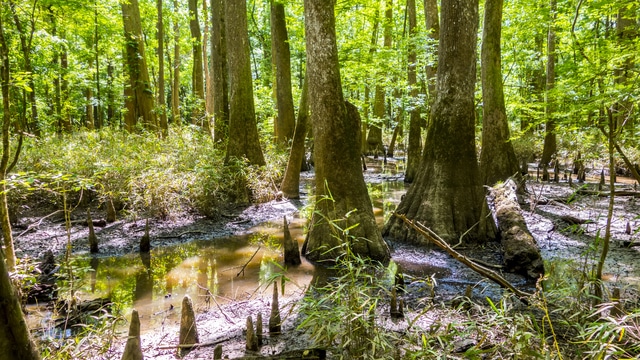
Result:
pixel 486 272
pixel 245 265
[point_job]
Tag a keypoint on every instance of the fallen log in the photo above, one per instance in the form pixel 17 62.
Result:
pixel 488 273
pixel 521 251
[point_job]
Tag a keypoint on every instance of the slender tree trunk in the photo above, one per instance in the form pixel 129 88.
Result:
pixel 137 64
pixel 291 181
pixel 162 105
pixel 25 45
pixel 374 139
pixel 336 128
pixel 175 84
pixel 58 77
pixel 244 140
pixel 448 194
pixel 433 27
pixel 550 147
pixel 197 75
pixel 627 32
pixel 208 82
pixel 282 60
pixel 90 120
pixel 5 81
pixel 64 90
pixel 220 72
pixel 498 159
pixel 98 108
pixel 110 109
pixel 415 147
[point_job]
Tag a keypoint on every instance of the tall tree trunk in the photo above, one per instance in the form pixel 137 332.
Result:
pixel 336 128
pixel 110 79
pixel 137 64
pixel 175 84
pixel 57 81
pixel 96 36
pixel 220 72
pixel 208 82
pixel 498 159
pixel 89 118
pixel 374 139
pixel 550 147
pixel 414 148
pixel 627 32
pixel 5 83
pixel 433 27
pixel 64 90
pixel 291 181
pixel 197 75
pixel 244 141
pixel 448 194
pixel 25 45
pixel 162 105
pixel 282 59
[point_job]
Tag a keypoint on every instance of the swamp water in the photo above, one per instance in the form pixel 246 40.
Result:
pixel 212 272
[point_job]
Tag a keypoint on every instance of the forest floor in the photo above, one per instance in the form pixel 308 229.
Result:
pixel 552 211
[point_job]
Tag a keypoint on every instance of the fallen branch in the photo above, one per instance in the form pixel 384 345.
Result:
pixel 197 345
pixel 181 234
pixel 486 272
pixel 37 223
pixel 245 265
pixel 607 193
pixel 211 296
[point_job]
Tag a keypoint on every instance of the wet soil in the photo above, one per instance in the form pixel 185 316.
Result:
pixel 432 278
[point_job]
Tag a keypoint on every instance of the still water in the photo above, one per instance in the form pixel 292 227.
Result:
pixel 211 271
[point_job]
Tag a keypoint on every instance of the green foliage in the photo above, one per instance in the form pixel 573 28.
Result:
pixel 139 173
pixel 341 314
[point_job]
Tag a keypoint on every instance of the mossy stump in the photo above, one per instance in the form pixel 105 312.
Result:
pixel 291 250
pixel 133 349
pixel 93 239
pixel 145 240
pixel 275 321
pixel 188 329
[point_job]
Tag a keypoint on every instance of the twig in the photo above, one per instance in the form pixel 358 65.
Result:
pixel 216 302
pixel 37 223
pixel 193 346
pixel 486 272
pixel 245 265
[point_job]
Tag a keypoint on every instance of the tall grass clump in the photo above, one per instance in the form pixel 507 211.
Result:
pixel 140 173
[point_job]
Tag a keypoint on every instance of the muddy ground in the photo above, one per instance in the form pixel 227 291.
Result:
pixel 548 211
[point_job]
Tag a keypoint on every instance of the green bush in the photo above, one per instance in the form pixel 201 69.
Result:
pixel 140 173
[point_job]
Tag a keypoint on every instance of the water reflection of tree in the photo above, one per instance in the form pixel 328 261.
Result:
pixel 144 281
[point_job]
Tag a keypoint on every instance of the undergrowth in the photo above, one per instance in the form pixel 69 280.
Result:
pixel 141 174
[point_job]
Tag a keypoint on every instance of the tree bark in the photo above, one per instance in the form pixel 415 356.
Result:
pixel 15 339
pixel 448 193
pixel 90 120
pixel 498 159
pixel 220 72
pixel 244 140
pixel 137 64
pixel 291 181
pixel 550 147
pixel 433 27
pixel 175 86
pixel 162 105
pixel 414 148
pixel 282 59
pixel 374 139
pixel 197 74
pixel 340 188
pixel 25 45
